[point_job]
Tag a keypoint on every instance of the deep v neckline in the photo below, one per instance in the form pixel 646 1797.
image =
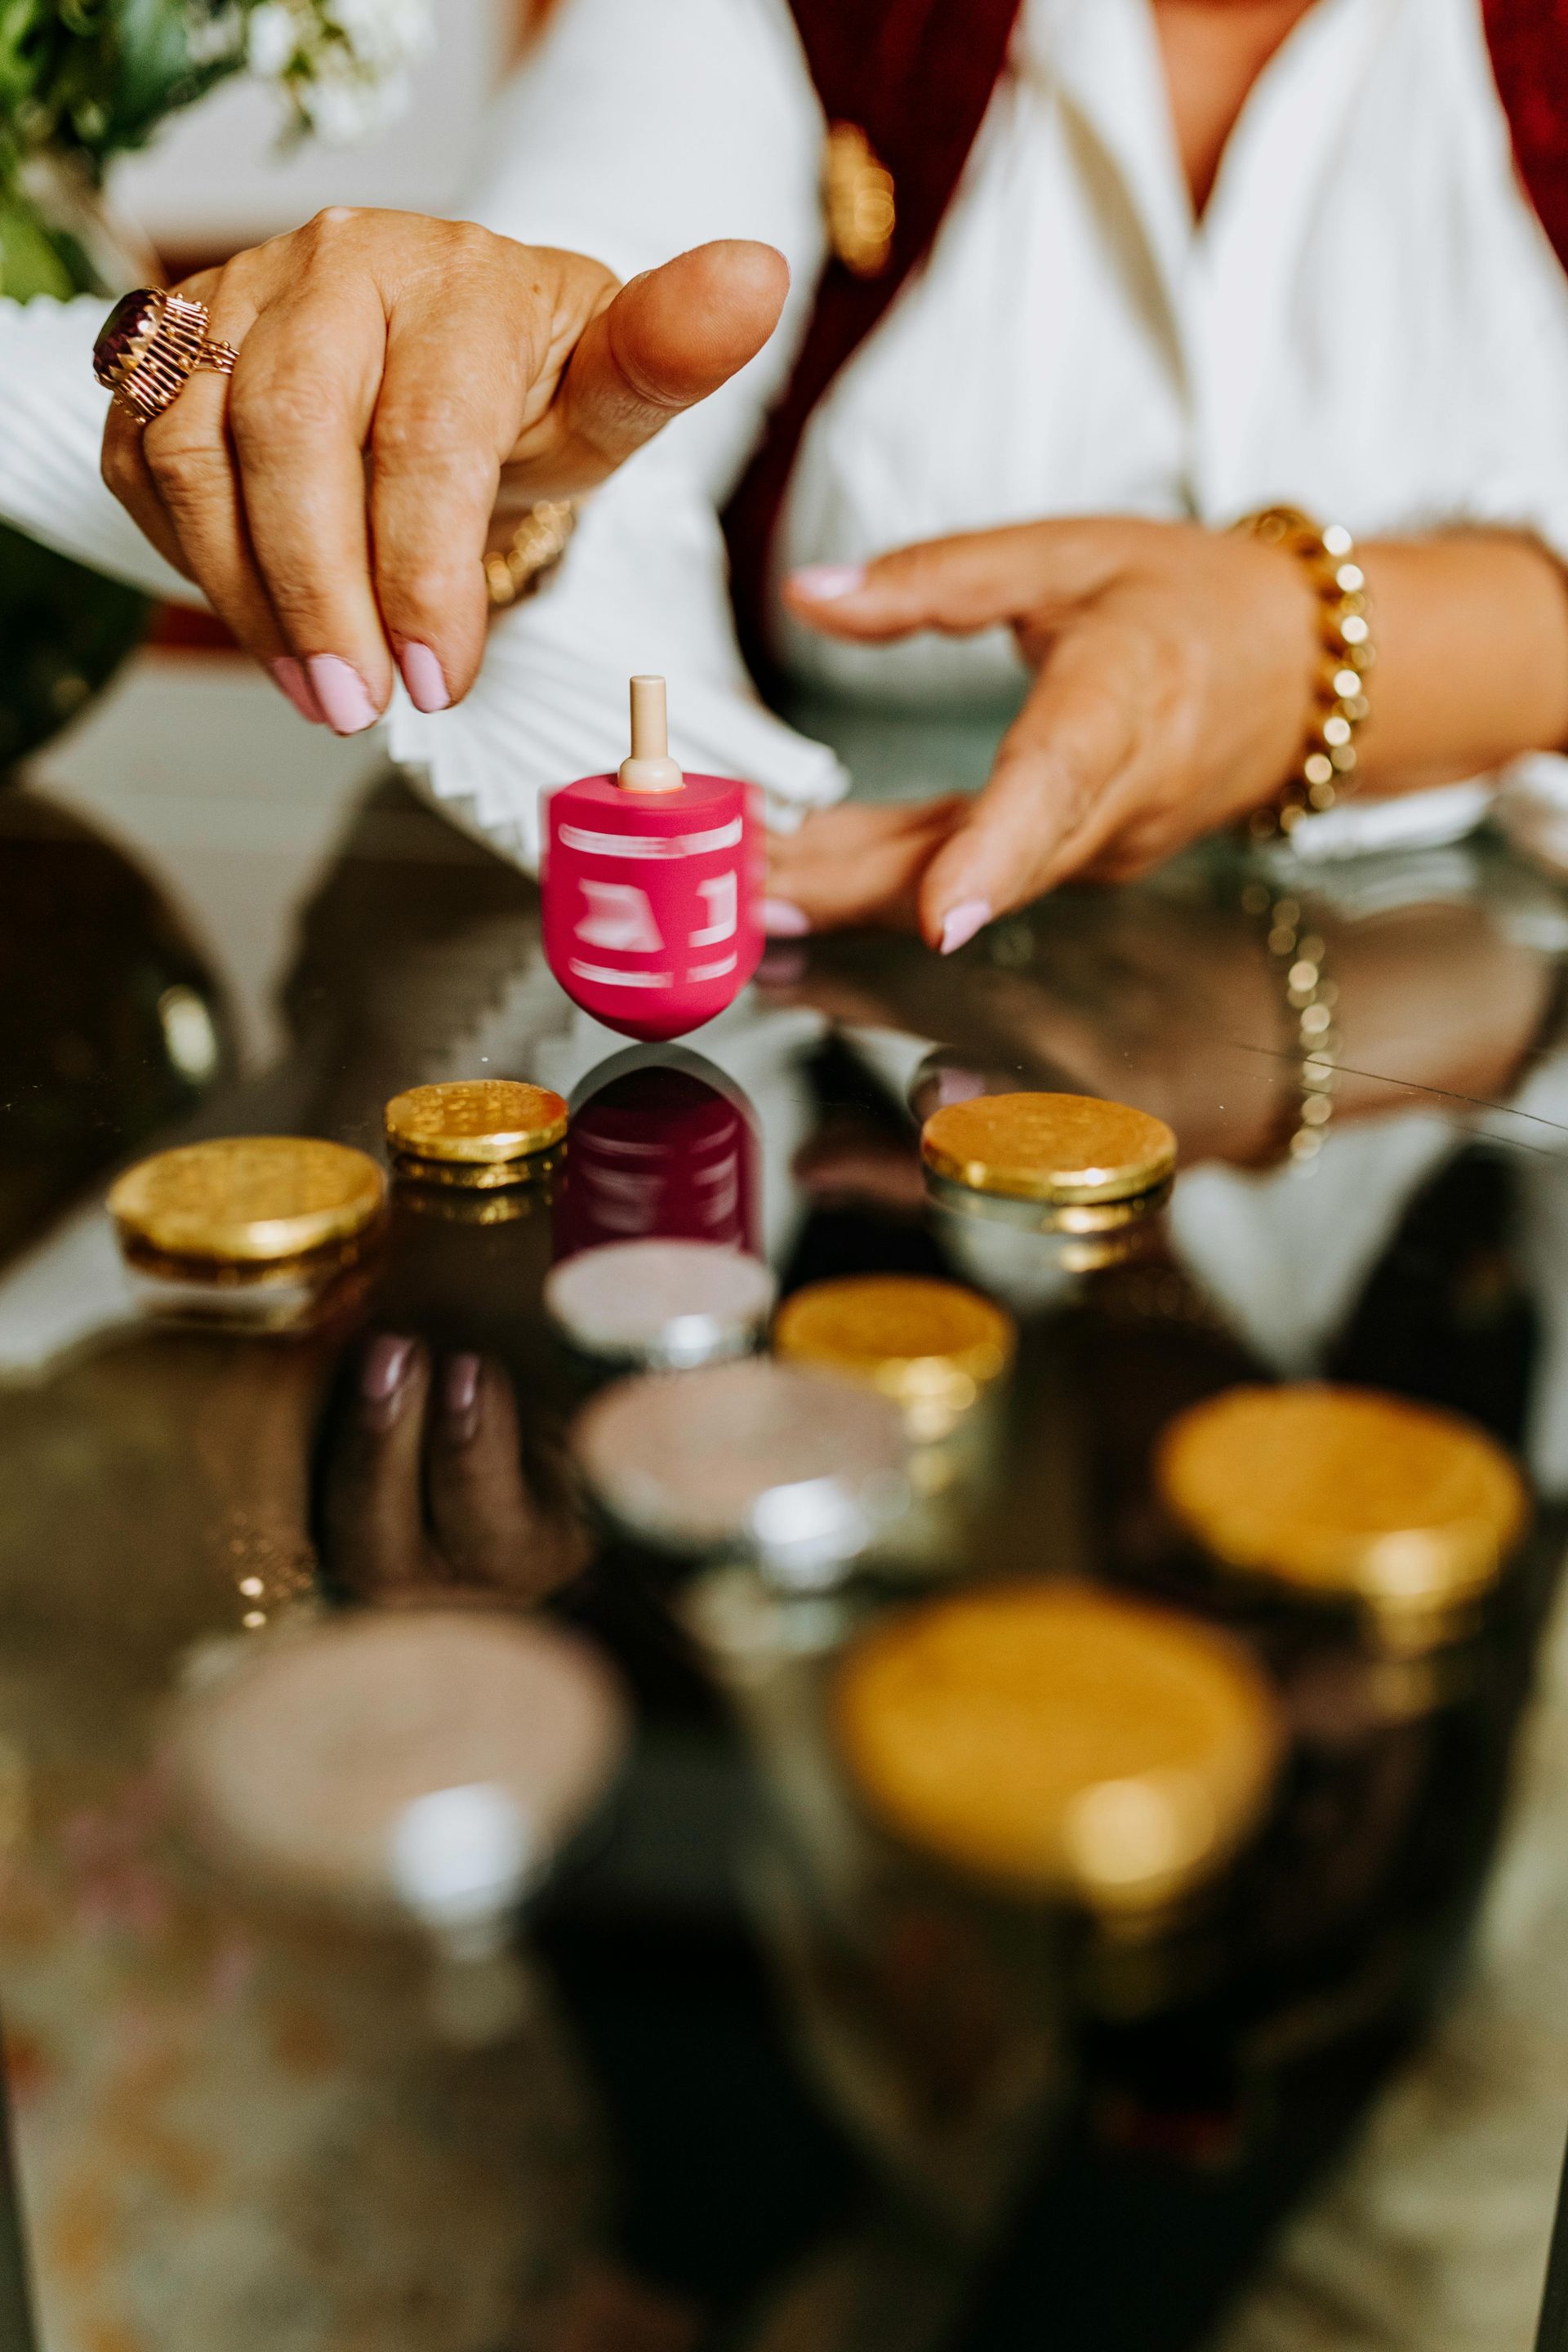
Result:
pixel 1209 155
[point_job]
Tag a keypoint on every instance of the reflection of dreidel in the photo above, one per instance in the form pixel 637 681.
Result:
pixel 663 1149
pixel 652 885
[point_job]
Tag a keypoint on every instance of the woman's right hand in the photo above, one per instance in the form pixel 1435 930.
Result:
pixel 332 499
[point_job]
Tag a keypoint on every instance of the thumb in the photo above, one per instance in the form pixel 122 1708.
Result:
pixel 665 342
pixel 1051 801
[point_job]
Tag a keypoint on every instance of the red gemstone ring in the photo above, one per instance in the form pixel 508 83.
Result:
pixel 151 345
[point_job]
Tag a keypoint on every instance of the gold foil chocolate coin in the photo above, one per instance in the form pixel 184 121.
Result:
pixel 1347 1492
pixel 477 1121
pixel 933 1347
pixel 1060 1741
pixel 1069 1149
pixel 247 1199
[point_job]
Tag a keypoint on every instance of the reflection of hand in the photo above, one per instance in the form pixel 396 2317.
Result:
pixel 333 500
pixel 1173 1003
pixel 1175 673
pixel 440 1440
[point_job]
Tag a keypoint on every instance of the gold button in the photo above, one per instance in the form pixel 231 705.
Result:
pixel 860 201
pixel 475 1122
pixel 1346 1493
pixel 1044 1147
pixel 933 1347
pixel 247 1199
pixel 1060 1741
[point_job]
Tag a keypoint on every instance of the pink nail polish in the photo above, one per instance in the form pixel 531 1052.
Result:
pixel 342 693
pixel 460 1396
pixel 824 582
pixel 783 919
pixel 961 923
pixel 422 676
pixel 289 676
pixel 383 1377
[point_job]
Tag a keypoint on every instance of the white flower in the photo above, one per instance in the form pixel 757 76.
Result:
pixel 344 109
pixel 383 34
pixel 271 40
pixel 343 63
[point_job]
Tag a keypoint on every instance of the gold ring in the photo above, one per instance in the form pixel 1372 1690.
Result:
pixel 151 345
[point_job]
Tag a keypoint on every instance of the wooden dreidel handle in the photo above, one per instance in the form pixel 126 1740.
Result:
pixel 652 885
pixel 650 768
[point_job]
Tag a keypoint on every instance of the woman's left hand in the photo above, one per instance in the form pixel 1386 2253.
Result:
pixel 1175 670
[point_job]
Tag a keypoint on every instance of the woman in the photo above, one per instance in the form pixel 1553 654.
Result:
pixel 1203 255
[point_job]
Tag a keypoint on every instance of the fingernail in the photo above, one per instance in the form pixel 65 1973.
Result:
pixel 460 1396
pixel 961 923
pixel 422 676
pixel 783 919
pixel 383 1376
pixel 821 583
pixel 341 691
pixel 290 674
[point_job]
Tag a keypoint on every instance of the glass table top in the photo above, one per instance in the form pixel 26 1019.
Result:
pixel 763 2082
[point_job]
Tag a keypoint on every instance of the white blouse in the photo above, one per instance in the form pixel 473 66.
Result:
pixel 1369 321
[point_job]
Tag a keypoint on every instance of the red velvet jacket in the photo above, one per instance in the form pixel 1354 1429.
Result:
pixel 917 76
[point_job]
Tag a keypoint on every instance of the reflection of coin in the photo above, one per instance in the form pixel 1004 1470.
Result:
pixel 1045 1146
pixel 248 1197
pixel 1345 1492
pixel 1059 1740
pixel 671 1304
pixel 475 1120
pixel 471 1176
pixel 298 1767
pixel 933 1347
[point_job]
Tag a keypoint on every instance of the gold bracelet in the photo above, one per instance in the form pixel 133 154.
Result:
pixel 538 544
pixel 1311 997
pixel 1327 554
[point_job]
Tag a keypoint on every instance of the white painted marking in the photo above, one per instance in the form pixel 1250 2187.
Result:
pixel 723 896
pixel 620 917
pixel 612 978
pixel 650 845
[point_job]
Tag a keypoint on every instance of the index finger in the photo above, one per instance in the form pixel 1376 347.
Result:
pixel 1050 801
pixel 975 579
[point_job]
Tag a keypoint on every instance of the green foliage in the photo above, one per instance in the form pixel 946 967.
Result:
pixel 93 77
pixel 36 258
pixel 63 633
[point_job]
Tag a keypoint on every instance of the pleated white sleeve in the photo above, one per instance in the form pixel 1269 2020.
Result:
pixel 51 425
pixel 633 133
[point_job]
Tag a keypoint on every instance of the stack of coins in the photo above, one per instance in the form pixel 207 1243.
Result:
pixel 941 1354
pixel 1067 1164
pixel 1403 1514
pixel 1060 1743
pixel 935 1348
pixel 759 1460
pixel 661 1306
pixel 479 1149
pixel 262 1228
pixel 986 1804
pixel 423 1764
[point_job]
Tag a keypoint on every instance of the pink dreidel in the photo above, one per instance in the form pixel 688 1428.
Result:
pixel 652 885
